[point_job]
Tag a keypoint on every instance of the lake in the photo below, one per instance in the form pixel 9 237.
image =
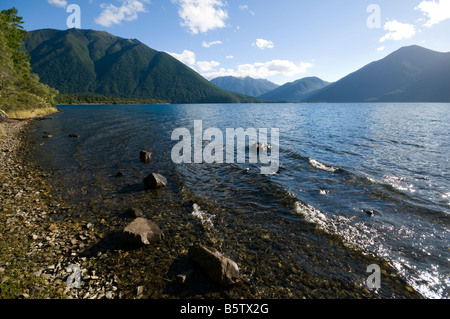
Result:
pixel 356 184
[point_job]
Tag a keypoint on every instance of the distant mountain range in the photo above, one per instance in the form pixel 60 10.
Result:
pixel 248 86
pixel 295 91
pixel 410 74
pixel 93 62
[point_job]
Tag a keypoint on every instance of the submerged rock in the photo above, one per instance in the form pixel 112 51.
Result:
pixel 145 156
pixel 74 135
pixel 218 267
pixel 262 147
pixel 155 181
pixel 141 232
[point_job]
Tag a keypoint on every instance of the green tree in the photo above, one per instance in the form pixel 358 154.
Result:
pixel 19 88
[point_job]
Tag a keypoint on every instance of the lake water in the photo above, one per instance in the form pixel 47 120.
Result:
pixel 354 180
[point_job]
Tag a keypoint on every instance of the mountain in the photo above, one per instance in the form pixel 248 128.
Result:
pixel 295 91
pixel 248 86
pixel 410 74
pixel 78 61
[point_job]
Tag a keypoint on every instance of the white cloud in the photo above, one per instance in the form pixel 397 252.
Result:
pixel 263 70
pixel 58 3
pixel 128 11
pixel 202 15
pixel 188 57
pixel 398 31
pixel 381 48
pixel 205 66
pixel 229 57
pixel 264 44
pixel 245 7
pixel 210 44
pixel 436 11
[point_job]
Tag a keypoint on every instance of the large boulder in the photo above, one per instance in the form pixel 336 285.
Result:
pixel 155 181
pixel 141 232
pixel 218 267
pixel 145 156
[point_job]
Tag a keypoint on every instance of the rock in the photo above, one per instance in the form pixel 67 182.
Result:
pixel 145 156
pixel 134 212
pixel 120 174
pixel 219 268
pixel 141 232
pixel 155 181
pixel 264 147
pixel 47 136
pixel 74 135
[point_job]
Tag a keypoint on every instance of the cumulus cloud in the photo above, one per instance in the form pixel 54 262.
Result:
pixel 128 11
pixel 205 66
pixel 210 44
pixel 189 58
pixel 58 3
pixel 436 11
pixel 262 70
pixel 202 15
pixel 398 31
pixel 264 44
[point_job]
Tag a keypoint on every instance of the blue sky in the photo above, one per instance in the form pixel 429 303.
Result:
pixel 282 40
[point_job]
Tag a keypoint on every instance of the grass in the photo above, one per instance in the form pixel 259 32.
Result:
pixel 27 114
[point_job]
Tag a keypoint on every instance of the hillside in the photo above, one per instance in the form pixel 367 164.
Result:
pixel 295 91
pixel 410 74
pixel 248 86
pixel 92 62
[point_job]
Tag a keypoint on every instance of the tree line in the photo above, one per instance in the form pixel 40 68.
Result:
pixel 19 88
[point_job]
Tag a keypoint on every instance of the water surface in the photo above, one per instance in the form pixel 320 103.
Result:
pixel 354 180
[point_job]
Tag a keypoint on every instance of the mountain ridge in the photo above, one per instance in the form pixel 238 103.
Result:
pixel 295 91
pixel 409 74
pixel 78 61
pixel 244 85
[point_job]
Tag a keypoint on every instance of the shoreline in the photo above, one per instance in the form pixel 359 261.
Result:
pixel 40 239
pixel 36 251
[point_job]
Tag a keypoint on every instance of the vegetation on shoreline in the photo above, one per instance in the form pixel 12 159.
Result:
pixel 19 88
pixel 68 99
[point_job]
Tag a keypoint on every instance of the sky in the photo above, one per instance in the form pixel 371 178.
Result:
pixel 281 41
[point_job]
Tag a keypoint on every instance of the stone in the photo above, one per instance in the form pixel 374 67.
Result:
pixel 134 212
pixel 140 232
pixel 263 147
pixel 47 136
pixel 155 181
pixel 217 266
pixel 145 156
pixel 74 135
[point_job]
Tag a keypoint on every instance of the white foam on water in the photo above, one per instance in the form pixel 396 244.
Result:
pixel 370 240
pixel 322 166
pixel 205 218
pixel 399 183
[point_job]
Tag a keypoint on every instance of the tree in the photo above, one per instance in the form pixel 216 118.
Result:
pixel 19 88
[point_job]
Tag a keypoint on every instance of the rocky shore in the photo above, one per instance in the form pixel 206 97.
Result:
pixel 49 249
pixel 39 258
